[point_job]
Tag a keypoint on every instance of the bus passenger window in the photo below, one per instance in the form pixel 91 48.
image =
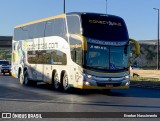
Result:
pixel 73 23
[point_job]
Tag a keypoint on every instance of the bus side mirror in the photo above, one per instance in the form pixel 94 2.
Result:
pixel 137 46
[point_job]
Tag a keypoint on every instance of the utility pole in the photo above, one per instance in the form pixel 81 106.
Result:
pixel 158 41
pixel 106 6
pixel 64 6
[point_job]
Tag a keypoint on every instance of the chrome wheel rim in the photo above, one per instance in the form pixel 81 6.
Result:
pixel 65 82
pixel 21 78
pixel 56 81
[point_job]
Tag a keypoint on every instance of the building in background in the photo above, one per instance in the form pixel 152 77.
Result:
pixel 5 47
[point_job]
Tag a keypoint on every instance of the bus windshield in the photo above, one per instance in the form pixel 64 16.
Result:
pixel 4 62
pixel 104 27
pixel 107 57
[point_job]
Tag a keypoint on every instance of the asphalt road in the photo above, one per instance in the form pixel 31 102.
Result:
pixel 41 98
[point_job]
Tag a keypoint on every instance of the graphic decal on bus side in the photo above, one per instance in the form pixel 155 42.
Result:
pixel 20 54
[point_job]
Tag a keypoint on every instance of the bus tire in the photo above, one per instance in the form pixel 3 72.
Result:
pixel 65 84
pixel 55 81
pixel 23 78
pixel 26 80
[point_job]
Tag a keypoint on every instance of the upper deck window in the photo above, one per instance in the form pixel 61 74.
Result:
pixel 55 27
pixel 73 22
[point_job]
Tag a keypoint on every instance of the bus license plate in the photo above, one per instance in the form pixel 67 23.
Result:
pixel 109 85
pixel 5 70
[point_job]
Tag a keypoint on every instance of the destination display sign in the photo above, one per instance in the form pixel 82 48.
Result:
pixel 103 42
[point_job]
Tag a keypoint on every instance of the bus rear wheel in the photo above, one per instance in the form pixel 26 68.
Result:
pixel 56 82
pixel 23 78
pixel 65 83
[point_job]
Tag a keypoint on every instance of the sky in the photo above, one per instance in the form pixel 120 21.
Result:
pixel 140 17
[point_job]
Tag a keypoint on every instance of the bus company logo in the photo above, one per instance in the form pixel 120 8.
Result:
pixel 97 22
pixel 6 115
pixel 110 23
pixel 110 79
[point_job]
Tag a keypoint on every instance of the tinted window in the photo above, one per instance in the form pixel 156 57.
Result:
pixel 107 57
pixel 74 27
pixel 30 31
pixel 76 50
pixel 73 23
pixel 21 33
pixel 49 28
pixel 4 62
pixel 59 27
pixel 56 27
pixel 47 57
pixel 36 30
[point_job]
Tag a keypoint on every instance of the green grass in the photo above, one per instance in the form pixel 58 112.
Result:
pixel 145 82
pixel 145 79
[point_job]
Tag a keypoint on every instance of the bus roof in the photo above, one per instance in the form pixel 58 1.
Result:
pixel 41 20
pixel 94 14
pixel 63 16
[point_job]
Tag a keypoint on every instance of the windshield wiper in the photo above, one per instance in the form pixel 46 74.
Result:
pixel 98 67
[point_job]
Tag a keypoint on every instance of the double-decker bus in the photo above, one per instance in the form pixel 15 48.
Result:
pixel 80 50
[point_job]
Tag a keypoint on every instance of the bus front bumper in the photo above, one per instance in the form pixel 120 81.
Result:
pixel 97 87
pixel 91 82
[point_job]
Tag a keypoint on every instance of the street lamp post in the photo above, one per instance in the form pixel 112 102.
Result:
pixel 158 41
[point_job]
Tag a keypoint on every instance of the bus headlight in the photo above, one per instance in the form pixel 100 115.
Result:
pixel 86 83
pixel 89 76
